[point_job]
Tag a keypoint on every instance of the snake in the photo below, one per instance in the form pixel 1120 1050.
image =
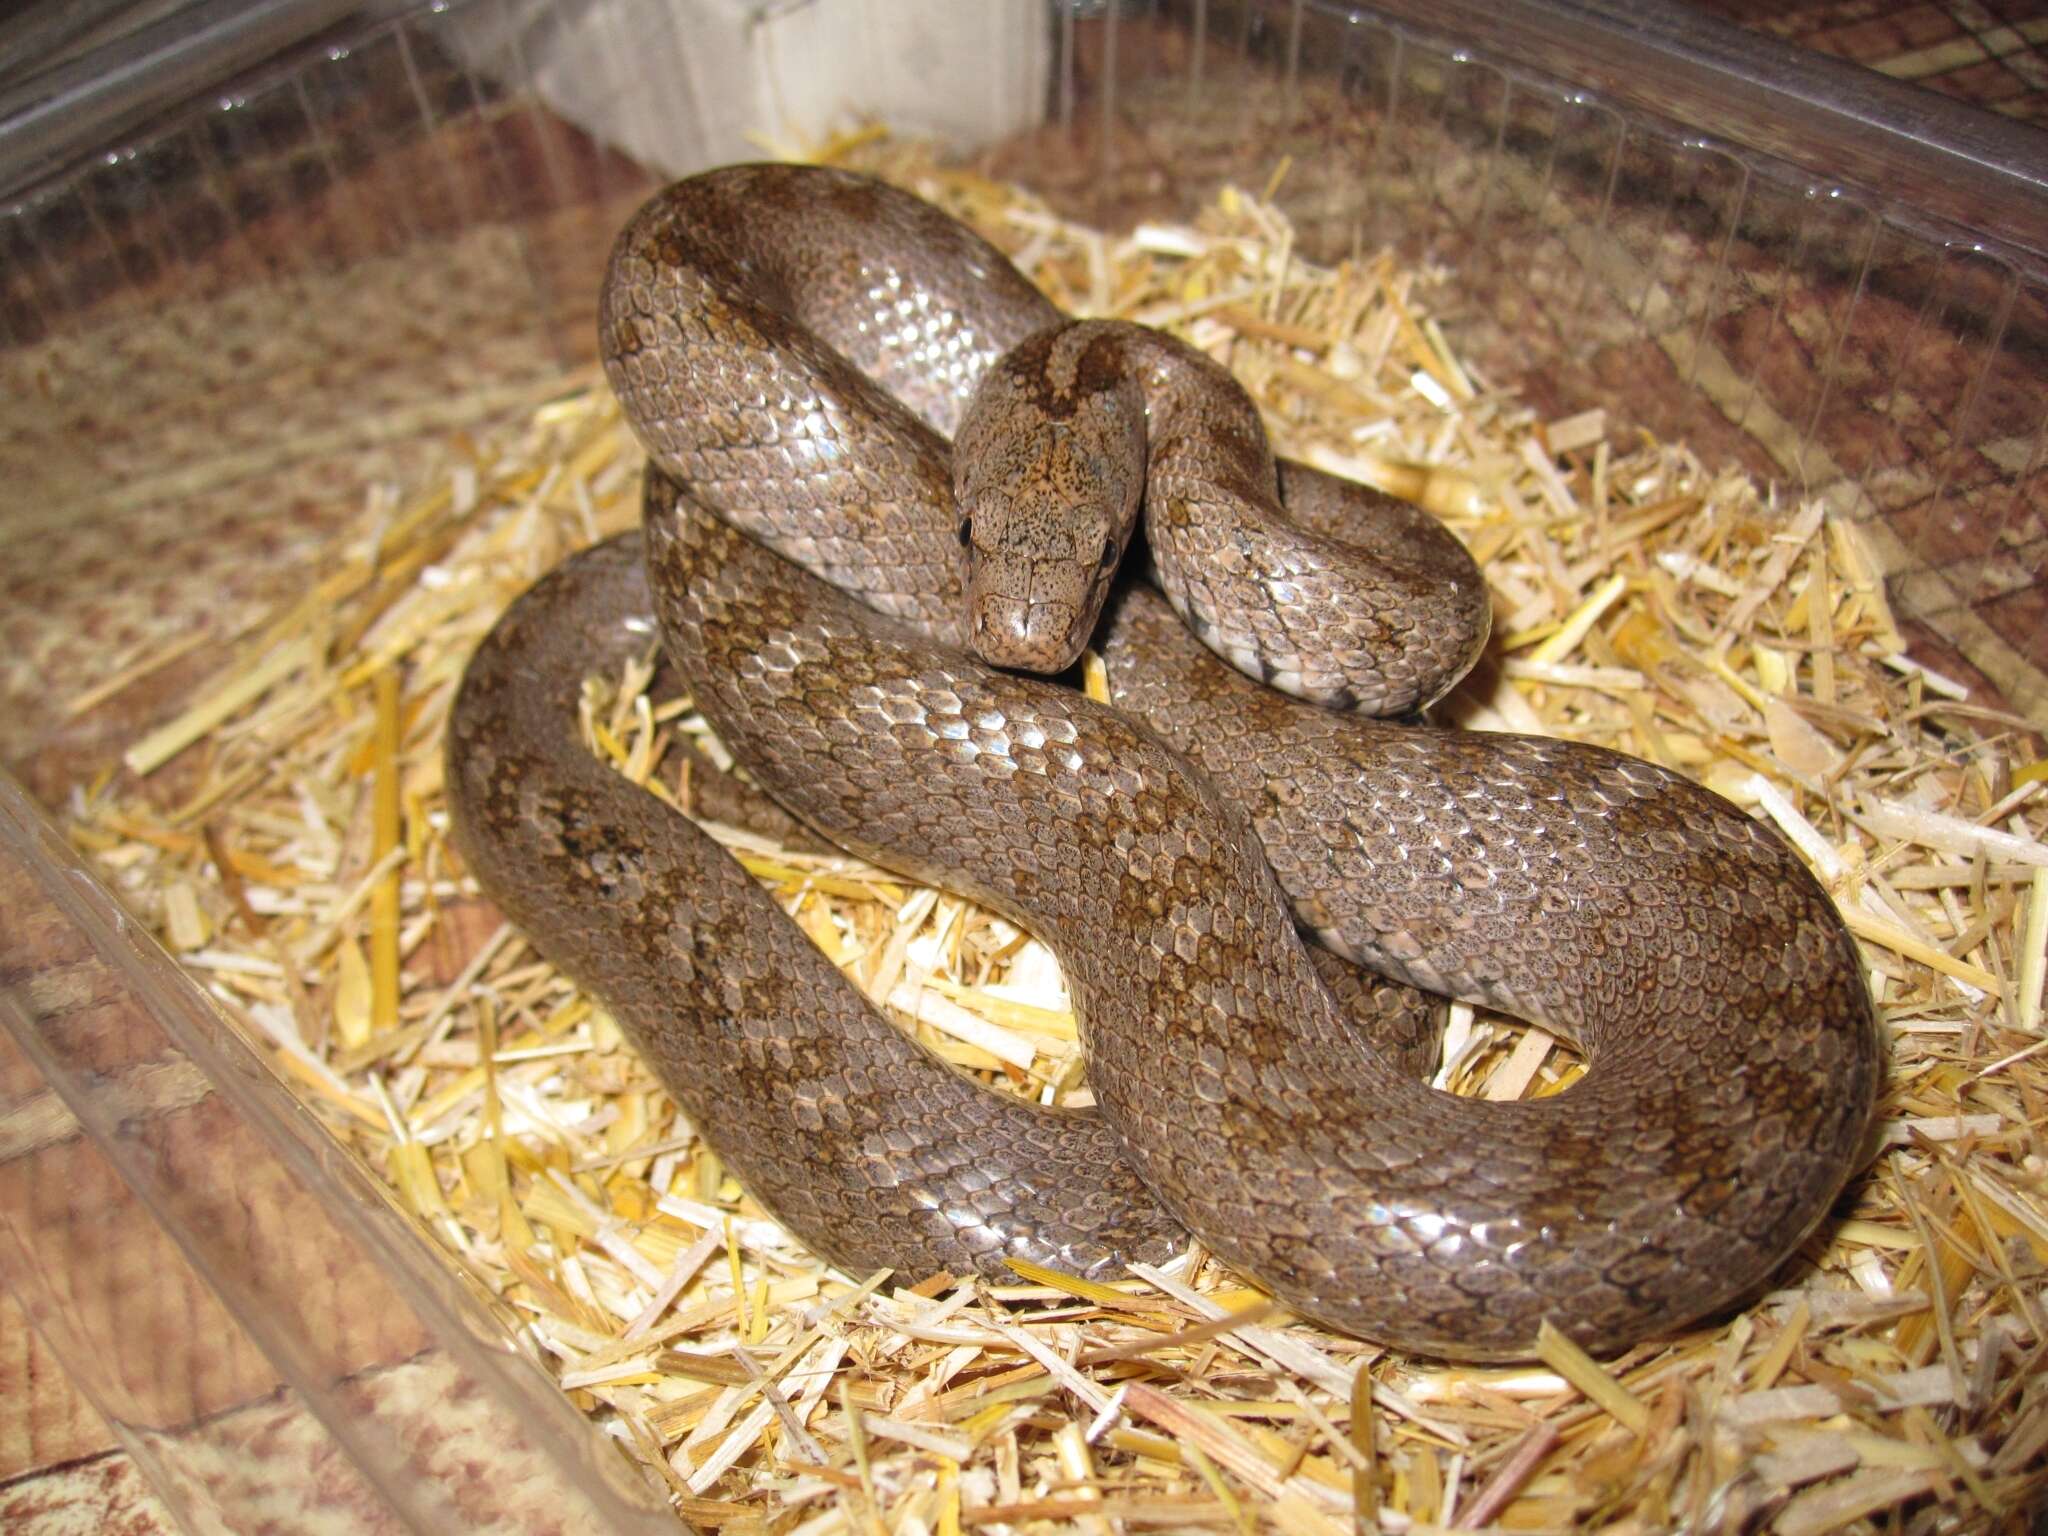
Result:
pixel 1209 856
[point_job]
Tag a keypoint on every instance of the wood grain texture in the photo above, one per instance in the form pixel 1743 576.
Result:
pixel 104 1496
pixel 44 1420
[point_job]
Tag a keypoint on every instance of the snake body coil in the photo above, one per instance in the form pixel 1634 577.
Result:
pixel 1732 1056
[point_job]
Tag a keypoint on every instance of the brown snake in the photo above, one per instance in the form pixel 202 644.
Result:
pixel 1733 1059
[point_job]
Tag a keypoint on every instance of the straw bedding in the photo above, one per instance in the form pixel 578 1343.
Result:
pixel 1643 600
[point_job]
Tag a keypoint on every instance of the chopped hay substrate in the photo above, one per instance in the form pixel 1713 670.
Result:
pixel 1642 601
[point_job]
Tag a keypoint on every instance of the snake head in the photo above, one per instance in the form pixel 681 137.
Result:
pixel 1048 474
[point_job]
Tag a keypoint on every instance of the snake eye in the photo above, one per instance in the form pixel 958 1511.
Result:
pixel 1109 553
pixel 966 532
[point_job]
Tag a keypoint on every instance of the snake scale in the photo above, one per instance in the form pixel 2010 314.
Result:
pixel 793 346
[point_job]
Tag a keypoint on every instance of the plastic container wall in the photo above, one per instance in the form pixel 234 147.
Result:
pixel 1832 279
pixel 278 293
pixel 260 267
pixel 263 1330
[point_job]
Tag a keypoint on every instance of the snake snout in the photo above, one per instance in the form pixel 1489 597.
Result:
pixel 1025 636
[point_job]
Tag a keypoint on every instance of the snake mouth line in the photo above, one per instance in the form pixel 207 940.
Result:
pixel 1038 637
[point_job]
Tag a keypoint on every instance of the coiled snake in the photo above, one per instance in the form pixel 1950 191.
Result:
pixel 792 346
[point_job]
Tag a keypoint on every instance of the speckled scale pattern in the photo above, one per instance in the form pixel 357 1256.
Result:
pixel 1703 1145
pixel 1340 601
pixel 873 1151
pixel 1733 1055
pixel 1332 593
pixel 869 1148
pixel 799 380
pixel 1679 943
pixel 1552 879
pixel 1049 471
pixel 794 344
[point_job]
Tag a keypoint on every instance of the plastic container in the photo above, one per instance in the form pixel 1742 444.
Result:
pixel 244 251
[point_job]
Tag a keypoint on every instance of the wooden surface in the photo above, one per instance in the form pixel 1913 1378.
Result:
pixel 103 1496
pixel 44 1420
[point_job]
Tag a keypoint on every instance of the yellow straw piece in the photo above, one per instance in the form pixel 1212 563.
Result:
pixel 1073 1285
pixel 385 826
pixel 1574 629
pixel 1094 677
pixel 1585 1373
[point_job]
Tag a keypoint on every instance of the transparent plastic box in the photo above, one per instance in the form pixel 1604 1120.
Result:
pixel 254 257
